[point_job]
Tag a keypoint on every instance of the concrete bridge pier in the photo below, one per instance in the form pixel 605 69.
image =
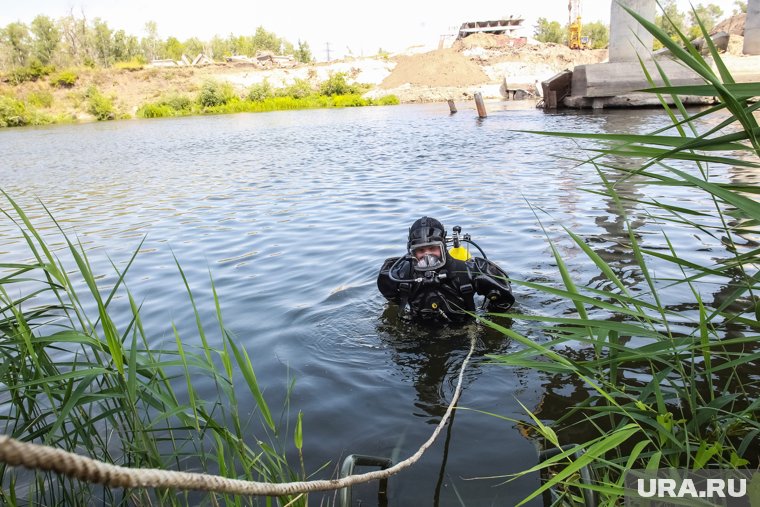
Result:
pixel 752 29
pixel 615 83
pixel 628 38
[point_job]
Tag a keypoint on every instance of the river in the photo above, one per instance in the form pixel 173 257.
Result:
pixel 292 214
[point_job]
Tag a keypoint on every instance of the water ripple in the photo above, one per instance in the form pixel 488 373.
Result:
pixel 292 213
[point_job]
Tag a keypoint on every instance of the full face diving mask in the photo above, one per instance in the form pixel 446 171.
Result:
pixel 429 256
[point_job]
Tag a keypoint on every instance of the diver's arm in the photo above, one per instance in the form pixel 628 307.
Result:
pixel 491 281
pixel 394 291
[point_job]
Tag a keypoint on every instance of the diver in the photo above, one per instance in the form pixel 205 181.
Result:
pixel 439 285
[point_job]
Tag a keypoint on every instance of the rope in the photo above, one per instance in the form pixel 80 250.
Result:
pixel 41 457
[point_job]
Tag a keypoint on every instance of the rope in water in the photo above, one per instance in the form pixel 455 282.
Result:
pixel 41 457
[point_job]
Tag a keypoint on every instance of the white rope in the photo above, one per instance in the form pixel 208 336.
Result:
pixel 41 457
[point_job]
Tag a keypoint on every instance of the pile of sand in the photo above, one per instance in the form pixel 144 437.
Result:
pixel 732 26
pixel 441 68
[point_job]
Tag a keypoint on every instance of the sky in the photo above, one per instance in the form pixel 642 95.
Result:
pixel 340 26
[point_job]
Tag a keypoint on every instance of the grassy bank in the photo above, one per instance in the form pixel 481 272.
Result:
pixel 44 95
pixel 220 98
pixel 72 379
pixel 666 386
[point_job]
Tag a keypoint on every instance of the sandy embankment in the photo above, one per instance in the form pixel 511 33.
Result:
pixel 481 63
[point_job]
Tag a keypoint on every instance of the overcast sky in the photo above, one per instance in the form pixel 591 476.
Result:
pixel 360 27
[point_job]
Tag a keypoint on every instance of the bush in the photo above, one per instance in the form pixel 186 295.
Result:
pixel 40 99
pixel 298 90
pixel 31 73
pixel 349 101
pixel 64 79
pixel 174 105
pixel 260 91
pixel 215 94
pixel 13 112
pixel 387 100
pixel 17 113
pixel 336 85
pixel 155 110
pixel 99 105
pixel 132 65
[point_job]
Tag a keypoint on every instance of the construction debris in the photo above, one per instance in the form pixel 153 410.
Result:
pixel 201 59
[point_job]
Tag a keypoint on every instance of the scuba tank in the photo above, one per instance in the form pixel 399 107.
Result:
pixel 457 251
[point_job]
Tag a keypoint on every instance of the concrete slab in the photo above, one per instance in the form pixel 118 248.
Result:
pixel 617 84
pixel 619 78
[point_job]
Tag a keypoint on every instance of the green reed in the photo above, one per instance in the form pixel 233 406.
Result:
pixel 668 386
pixel 71 378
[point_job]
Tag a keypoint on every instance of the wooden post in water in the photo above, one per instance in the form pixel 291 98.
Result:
pixel 452 106
pixel 480 105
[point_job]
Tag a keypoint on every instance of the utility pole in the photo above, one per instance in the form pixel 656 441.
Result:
pixel 327 44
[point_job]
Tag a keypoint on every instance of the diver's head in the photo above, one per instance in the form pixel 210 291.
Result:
pixel 427 244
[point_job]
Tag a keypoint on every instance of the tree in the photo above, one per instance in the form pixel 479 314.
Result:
pixel 193 47
pixel 16 37
pixel 740 7
pixel 151 41
pixel 549 31
pixel 598 32
pixel 708 14
pixel 303 53
pixel 125 47
pixel 266 41
pixel 101 37
pixel 218 48
pixel 671 20
pixel 47 37
pixel 72 42
pixel 173 49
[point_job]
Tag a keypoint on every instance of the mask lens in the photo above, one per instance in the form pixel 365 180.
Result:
pixel 429 256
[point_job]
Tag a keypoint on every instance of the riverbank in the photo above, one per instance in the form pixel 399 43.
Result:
pixel 481 63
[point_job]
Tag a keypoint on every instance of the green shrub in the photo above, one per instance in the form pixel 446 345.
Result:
pixel 180 103
pixel 174 105
pixel 64 79
pixel 132 65
pixel 16 113
pixel 13 112
pixel 260 91
pixel 336 85
pixel 387 100
pixel 214 94
pixel 298 90
pixel 40 99
pixel 155 110
pixel 99 105
pixel 349 101
pixel 31 73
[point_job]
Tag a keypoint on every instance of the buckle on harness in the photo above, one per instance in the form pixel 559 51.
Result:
pixel 466 288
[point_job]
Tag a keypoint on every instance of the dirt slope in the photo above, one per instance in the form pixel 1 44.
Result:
pixel 445 67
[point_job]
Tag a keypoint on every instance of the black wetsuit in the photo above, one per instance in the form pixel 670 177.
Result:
pixel 447 294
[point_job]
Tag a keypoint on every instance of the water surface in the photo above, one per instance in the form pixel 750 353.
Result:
pixel 293 213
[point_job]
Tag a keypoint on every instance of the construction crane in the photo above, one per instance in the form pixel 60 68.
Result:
pixel 574 38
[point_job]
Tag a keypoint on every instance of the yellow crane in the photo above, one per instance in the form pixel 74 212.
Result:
pixel 574 38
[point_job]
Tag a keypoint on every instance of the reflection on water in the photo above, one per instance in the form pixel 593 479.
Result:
pixel 431 357
pixel 292 213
